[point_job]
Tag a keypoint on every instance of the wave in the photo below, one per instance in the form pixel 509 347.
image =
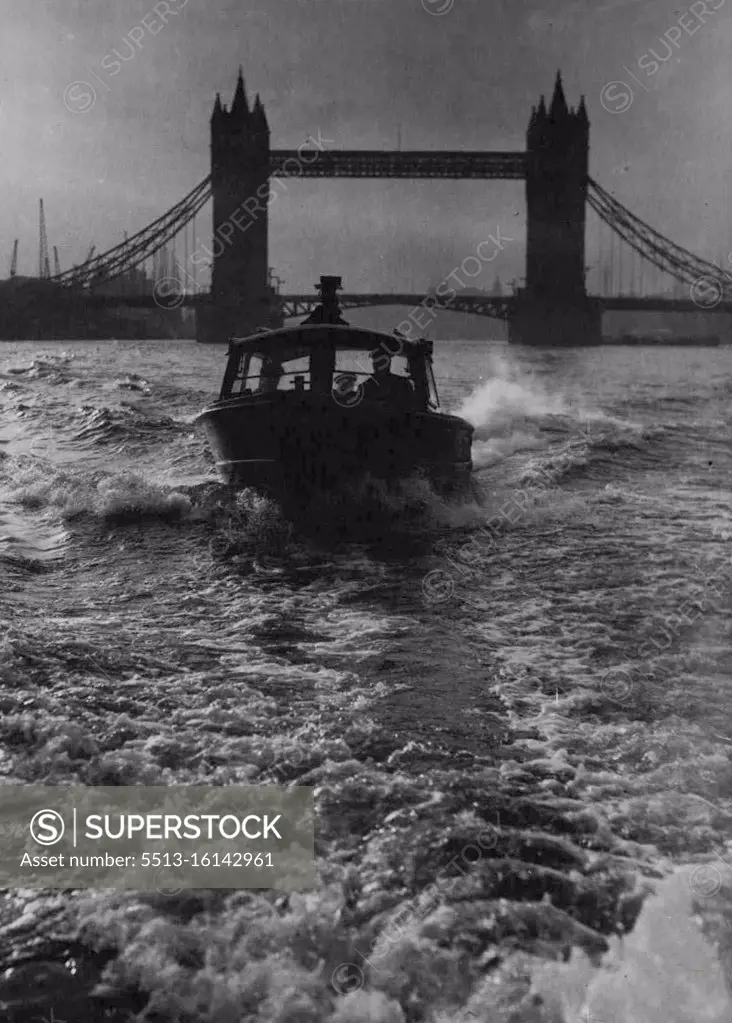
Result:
pixel 133 382
pixel 548 436
pixel 120 496
pixel 503 401
pixel 665 971
pixel 101 425
pixel 52 368
pixel 404 516
pixel 514 413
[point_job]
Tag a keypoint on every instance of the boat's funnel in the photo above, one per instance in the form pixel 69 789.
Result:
pixel 328 311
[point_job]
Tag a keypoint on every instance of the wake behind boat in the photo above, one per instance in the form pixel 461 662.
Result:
pixel 322 403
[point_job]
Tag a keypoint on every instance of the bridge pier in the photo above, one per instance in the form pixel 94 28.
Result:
pixel 216 323
pixel 555 324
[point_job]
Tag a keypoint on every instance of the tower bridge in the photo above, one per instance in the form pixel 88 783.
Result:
pixel 554 303
pixel 552 307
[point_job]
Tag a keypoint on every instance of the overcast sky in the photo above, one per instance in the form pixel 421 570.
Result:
pixel 451 73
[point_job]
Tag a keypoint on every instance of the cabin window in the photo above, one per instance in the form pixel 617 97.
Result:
pixel 432 395
pixel 358 374
pixel 362 364
pixel 263 373
pixel 400 367
pixel 295 374
pixel 251 370
pixel 353 362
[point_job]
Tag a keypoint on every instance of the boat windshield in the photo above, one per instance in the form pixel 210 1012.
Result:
pixel 378 376
pixel 349 374
pixel 362 364
pixel 262 373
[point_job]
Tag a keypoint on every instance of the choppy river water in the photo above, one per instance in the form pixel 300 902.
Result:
pixel 515 712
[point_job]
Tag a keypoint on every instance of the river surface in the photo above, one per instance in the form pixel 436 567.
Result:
pixel 515 711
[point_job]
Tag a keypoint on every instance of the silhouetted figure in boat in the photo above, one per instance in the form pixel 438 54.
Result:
pixel 272 371
pixel 383 385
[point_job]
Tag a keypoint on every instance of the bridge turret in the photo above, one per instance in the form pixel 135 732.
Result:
pixel 558 110
pixel 218 110
pixel 537 124
pixel 583 125
pixel 259 123
pixel 240 106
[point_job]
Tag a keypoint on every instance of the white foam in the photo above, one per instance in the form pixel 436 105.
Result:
pixel 665 971
pixel 509 394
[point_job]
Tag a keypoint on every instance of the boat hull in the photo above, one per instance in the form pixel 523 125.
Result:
pixel 281 444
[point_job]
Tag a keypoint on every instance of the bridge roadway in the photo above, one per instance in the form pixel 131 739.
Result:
pixel 495 307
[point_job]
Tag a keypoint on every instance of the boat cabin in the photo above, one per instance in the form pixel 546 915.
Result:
pixel 346 364
pixel 279 424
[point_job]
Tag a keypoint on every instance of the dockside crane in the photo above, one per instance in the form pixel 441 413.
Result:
pixel 89 256
pixel 14 260
pixel 44 267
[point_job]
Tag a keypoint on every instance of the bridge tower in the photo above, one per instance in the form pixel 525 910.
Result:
pixel 241 295
pixel 553 308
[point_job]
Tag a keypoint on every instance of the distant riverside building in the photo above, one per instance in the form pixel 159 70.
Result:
pixel 132 282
